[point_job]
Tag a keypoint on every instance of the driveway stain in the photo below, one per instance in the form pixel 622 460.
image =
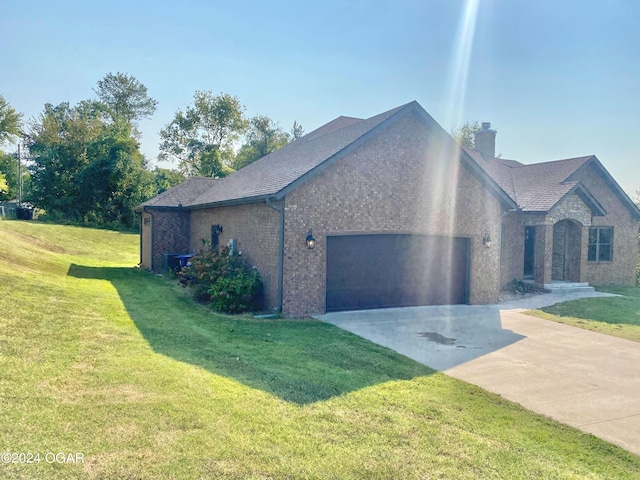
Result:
pixel 437 338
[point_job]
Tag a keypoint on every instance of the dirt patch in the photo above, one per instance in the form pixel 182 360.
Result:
pixel 37 242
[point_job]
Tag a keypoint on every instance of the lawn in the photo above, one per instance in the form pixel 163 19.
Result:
pixel 100 358
pixel 618 316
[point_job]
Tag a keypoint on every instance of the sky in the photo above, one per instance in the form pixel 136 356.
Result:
pixel 556 79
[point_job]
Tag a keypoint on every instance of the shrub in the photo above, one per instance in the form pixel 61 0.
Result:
pixel 224 279
pixel 518 286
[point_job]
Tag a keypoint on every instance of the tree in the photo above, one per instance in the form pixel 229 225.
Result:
pixel 125 97
pixel 263 137
pixel 115 180
pixel 464 135
pixel 201 139
pixel 9 169
pixel 4 187
pixel 10 122
pixel 296 131
pixel 86 169
pixel 164 179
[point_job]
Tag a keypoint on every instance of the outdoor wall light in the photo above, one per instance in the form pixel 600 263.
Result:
pixel 486 240
pixel 311 242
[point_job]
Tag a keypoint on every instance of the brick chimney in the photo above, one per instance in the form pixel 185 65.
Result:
pixel 485 140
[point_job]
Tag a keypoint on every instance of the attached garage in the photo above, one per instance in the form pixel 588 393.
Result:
pixel 396 270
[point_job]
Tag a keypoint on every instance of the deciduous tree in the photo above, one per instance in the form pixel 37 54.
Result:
pixel 84 168
pixel 164 179
pixel 263 137
pixel 201 139
pixel 10 122
pixel 125 96
pixel 4 187
pixel 296 131
pixel 464 135
pixel 9 168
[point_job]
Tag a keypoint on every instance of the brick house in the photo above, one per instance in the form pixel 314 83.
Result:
pixel 401 215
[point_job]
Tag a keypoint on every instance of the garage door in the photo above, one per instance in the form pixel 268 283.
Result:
pixel 388 270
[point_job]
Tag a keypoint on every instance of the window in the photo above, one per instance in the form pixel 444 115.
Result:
pixel 600 244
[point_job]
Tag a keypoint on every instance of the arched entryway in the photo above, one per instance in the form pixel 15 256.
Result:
pixel 567 243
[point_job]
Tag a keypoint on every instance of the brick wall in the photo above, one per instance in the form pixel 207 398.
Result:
pixel 622 269
pixel 571 208
pixel 558 259
pixel 398 182
pixel 169 234
pixel 550 261
pixel 255 227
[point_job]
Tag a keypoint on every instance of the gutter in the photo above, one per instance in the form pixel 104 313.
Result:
pixel 280 211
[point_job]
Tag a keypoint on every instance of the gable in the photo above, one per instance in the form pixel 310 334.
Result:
pixel 284 170
pixel 595 167
pixel 572 207
pixel 268 176
pixel 540 187
pixel 404 179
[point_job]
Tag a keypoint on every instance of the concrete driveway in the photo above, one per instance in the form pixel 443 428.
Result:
pixel 584 379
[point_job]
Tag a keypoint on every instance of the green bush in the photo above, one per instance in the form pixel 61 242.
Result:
pixel 223 279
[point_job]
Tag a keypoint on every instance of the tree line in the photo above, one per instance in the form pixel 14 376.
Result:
pixel 85 164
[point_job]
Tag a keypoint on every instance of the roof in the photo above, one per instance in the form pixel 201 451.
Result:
pixel 276 174
pixel 528 188
pixel 272 173
pixel 538 187
pixel 182 194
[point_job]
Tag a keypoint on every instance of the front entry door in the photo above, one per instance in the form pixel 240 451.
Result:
pixel 529 250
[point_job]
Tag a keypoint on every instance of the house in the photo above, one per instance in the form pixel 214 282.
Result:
pixel 400 215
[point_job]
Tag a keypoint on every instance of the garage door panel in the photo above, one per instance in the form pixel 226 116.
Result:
pixel 390 270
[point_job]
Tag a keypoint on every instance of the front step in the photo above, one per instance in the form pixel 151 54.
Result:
pixel 568 287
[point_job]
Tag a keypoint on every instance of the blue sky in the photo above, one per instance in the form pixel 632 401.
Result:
pixel 557 79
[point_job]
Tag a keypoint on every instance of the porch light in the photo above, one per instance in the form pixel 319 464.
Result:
pixel 311 242
pixel 486 240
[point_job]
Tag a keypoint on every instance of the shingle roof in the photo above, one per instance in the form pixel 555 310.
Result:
pixel 536 187
pixel 540 186
pixel 532 188
pixel 182 194
pixel 272 173
pixel 498 170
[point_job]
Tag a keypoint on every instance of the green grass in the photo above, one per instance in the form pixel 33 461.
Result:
pixel 101 358
pixel 617 316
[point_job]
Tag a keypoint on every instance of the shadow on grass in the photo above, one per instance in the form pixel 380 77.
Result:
pixel 299 361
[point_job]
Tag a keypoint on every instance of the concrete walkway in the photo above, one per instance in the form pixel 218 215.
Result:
pixel 584 379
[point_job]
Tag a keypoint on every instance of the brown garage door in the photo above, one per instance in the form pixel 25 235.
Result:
pixel 389 270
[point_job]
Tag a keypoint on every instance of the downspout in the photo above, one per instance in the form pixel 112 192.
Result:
pixel 280 210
